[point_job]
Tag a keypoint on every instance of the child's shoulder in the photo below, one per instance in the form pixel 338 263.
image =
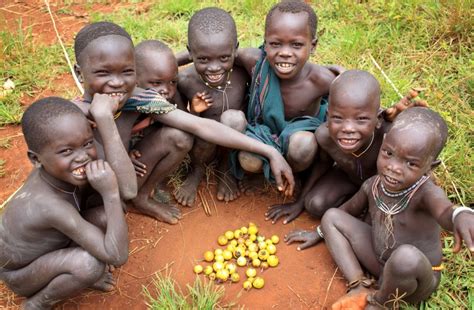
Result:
pixel 320 75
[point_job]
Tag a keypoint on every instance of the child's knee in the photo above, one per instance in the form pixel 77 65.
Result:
pixel 315 205
pixel 87 269
pixel 181 140
pixel 302 148
pixel 407 260
pixel 250 162
pixel 234 119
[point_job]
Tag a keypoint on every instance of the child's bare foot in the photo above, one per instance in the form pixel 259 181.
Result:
pixel 354 300
pixel 186 194
pixel 106 283
pixel 162 212
pixel 227 188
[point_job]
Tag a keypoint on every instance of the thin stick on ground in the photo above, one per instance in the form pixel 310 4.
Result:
pixel 299 297
pixel 329 287
pixel 205 205
pixel 78 84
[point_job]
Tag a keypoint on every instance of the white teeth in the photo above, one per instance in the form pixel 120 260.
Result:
pixel 285 65
pixel 79 171
pixel 214 77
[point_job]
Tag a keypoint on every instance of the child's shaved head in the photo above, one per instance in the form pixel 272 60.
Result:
pixel 37 121
pixel 96 30
pixel 149 46
pixel 295 7
pixel 357 85
pixel 210 21
pixel 423 120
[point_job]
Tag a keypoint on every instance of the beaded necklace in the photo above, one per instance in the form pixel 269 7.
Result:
pixel 73 193
pixel 219 88
pixel 390 210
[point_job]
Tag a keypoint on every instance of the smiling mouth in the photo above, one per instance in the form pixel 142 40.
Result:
pixel 117 95
pixel 284 67
pixel 348 143
pixel 80 173
pixel 214 78
pixel 391 181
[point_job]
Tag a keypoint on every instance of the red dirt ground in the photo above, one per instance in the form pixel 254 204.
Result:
pixel 303 280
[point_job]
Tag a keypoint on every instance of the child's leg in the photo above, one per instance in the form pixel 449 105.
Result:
pixel 349 241
pixel 161 151
pixel 56 276
pixel 302 147
pixel 407 273
pixel 331 190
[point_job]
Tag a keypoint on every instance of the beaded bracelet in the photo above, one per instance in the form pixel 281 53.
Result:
pixel 320 233
pixel 459 210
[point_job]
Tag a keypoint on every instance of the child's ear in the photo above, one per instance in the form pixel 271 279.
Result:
pixel 435 163
pixel 77 72
pixel 34 158
pixel 314 43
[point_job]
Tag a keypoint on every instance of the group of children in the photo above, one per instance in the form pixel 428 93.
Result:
pixel 65 229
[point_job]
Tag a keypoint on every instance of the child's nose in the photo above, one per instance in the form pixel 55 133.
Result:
pixel 81 156
pixel 394 166
pixel 348 126
pixel 116 81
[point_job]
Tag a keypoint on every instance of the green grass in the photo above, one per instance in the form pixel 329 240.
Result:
pixel 166 294
pixel 417 43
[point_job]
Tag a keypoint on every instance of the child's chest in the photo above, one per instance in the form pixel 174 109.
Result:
pixel 300 100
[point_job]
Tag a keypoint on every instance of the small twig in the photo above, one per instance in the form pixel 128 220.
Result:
pixel 154 244
pixel 329 286
pixel 385 76
pixel 299 297
pixel 213 201
pixel 78 84
pixel 452 183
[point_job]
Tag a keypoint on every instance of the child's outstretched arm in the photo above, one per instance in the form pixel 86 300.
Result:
pixel 220 134
pixel 111 247
pixel 102 110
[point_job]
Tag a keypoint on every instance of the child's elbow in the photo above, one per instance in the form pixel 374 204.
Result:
pixel 120 260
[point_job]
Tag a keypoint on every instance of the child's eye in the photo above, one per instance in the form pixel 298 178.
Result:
pixel 101 73
pixel 387 152
pixel 89 144
pixel 66 152
pixel 225 58
pixel 202 59
pixel 297 45
pixel 274 44
pixel 411 164
pixel 155 83
pixel 174 82
pixel 362 118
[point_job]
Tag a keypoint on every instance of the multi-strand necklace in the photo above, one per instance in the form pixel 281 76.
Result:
pixel 360 172
pixel 221 89
pixel 390 210
pixel 73 193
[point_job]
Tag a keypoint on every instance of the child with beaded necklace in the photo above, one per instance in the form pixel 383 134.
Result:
pixel 401 246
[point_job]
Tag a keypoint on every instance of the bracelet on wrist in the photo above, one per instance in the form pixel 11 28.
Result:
pixel 458 210
pixel 320 233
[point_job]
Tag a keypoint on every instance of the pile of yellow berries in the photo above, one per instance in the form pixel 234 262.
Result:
pixel 244 247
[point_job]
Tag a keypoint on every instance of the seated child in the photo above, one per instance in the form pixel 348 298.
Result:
pixel 106 64
pixel 348 142
pixel 212 46
pixel 401 246
pixel 50 246
pixel 286 104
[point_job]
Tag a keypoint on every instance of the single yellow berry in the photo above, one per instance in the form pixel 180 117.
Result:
pixel 251 272
pixel 271 248
pixel 247 285
pixel 229 234
pixel 241 261
pixel 198 269
pixel 222 240
pixel 208 256
pixel 275 239
pixel 258 282
pixel 272 260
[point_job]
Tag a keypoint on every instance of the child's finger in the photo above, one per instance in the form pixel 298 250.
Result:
pixel 467 237
pixel 457 241
pixel 279 182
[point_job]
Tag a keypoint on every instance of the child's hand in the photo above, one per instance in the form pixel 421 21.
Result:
pixel 464 230
pixel 101 177
pixel 308 237
pixel 103 105
pixel 201 102
pixel 283 174
pixel 406 102
pixel 140 168
pixel 292 209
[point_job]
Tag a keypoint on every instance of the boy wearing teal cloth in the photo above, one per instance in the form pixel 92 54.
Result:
pixel 286 104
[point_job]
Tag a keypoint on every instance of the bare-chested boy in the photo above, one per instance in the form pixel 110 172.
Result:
pixel 106 64
pixel 286 93
pixel 348 142
pixel 401 246
pixel 50 246
pixel 212 46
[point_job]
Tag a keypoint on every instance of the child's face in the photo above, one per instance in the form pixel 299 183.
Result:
pixel 70 148
pixel 160 75
pixel 108 67
pixel 288 43
pixel 213 56
pixel 405 156
pixel 351 122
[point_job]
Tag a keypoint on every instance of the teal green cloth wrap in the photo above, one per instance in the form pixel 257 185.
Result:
pixel 266 116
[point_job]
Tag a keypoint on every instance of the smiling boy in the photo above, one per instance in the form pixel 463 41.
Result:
pixel 401 245
pixel 106 65
pixel 212 46
pixel 51 245
pixel 286 103
pixel 348 142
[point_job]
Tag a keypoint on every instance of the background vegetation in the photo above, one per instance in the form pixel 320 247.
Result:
pixel 417 43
